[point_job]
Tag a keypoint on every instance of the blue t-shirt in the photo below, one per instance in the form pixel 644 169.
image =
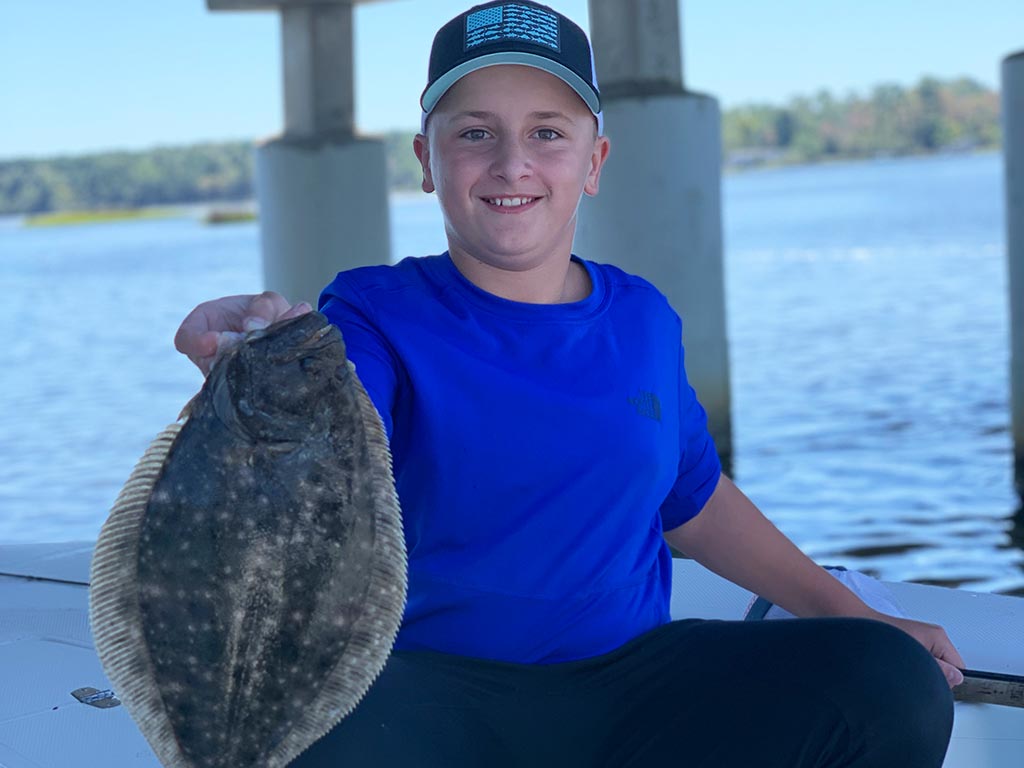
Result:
pixel 539 452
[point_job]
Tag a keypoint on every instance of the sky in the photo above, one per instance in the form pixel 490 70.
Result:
pixel 81 76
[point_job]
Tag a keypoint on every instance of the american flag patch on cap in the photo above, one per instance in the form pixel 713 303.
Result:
pixel 512 21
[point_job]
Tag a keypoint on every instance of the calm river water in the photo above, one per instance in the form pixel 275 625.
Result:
pixel 868 325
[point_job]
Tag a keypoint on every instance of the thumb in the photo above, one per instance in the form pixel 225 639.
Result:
pixel 953 675
pixel 208 348
pixel 205 345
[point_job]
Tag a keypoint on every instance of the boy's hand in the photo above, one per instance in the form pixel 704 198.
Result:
pixel 935 639
pixel 216 326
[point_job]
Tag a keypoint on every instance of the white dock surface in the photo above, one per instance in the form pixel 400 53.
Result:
pixel 46 652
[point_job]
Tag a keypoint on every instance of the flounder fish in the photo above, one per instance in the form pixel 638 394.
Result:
pixel 249 582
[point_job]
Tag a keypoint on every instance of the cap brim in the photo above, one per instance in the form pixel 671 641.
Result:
pixel 439 87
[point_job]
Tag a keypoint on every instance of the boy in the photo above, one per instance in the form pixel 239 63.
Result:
pixel 538 493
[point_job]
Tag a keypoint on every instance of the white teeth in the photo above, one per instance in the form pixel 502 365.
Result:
pixel 510 202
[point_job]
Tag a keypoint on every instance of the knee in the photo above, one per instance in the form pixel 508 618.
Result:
pixel 906 712
pixel 898 658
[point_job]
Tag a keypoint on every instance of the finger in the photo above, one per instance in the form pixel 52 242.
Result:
pixel 257 323
pixel 265 308
pixel 200 348
pixel 224 314
pixel 212 346
pixel 948 652
pixel 254 323
pixel 204 364
pixel 206 344
pixel 953 675
pixel 227 341
pixel 188 338
pixel 302 308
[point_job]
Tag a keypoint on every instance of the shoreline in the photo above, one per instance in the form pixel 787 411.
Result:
pixel 239 211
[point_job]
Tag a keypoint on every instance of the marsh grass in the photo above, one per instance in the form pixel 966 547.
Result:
pixel 72 218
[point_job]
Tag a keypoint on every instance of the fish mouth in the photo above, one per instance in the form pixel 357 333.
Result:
pixel 315 337
pixel 319 340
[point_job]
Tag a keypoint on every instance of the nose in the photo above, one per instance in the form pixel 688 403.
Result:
pixel 511 160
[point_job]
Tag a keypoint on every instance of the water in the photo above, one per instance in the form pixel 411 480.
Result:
pixel 869 326
pixel 869 344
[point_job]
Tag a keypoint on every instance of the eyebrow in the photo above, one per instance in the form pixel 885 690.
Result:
pixel 540 115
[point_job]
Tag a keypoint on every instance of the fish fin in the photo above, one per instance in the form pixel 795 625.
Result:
pixel 114 612
pixel 189 407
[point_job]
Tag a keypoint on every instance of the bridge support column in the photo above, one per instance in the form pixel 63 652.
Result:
pixel 658 211
pixel 1013 149
pixel 322 189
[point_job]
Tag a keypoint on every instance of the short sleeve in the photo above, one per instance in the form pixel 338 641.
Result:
pixel 699 466
pixel 375 362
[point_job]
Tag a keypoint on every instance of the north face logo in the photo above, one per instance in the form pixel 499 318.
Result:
pixel 646 404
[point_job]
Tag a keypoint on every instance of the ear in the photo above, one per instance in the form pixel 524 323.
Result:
pixel 602 145
pixel 421 146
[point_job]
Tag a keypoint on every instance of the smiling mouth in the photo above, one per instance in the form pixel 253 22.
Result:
pixel 510 202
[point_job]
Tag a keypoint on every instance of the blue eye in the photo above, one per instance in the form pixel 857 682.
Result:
pixel 474 134
pixel 547 134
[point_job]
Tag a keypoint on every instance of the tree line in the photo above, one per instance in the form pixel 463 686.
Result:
pixel 892 120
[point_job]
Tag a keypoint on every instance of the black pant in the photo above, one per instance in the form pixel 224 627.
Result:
pixel 714 694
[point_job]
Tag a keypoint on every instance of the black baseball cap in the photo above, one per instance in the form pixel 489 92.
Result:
pixel 512 32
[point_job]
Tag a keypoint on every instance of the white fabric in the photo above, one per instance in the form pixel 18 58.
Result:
pixel 873 592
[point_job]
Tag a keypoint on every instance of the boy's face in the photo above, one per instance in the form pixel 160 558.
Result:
pixel 510 151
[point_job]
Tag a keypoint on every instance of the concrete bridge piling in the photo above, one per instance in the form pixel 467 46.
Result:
pixel 1013 150
pixel 322 188
pixel 658 212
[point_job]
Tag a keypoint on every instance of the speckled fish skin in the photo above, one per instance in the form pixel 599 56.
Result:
pixel 247 602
